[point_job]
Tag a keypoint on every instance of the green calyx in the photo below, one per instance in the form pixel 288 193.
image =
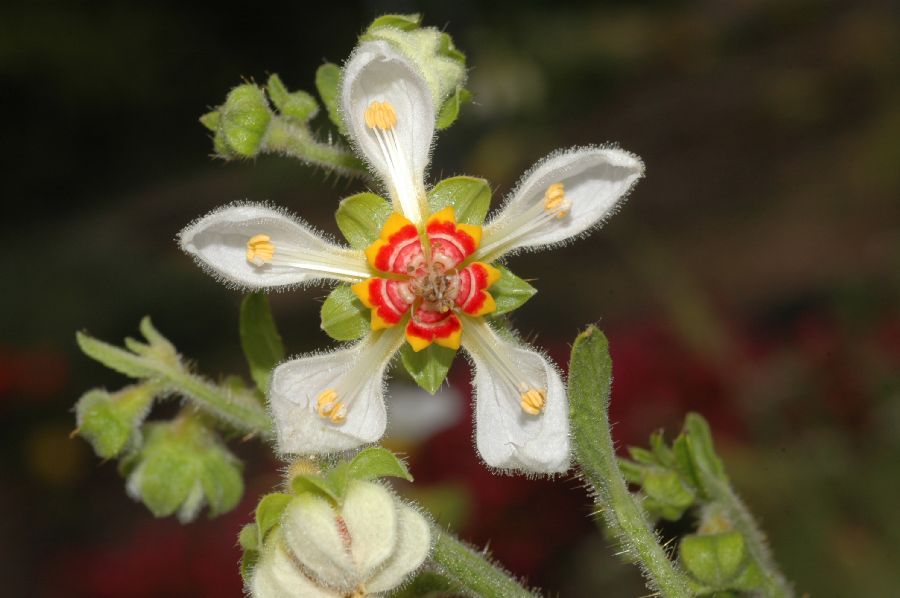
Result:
pixel 241 123
pixel 182 466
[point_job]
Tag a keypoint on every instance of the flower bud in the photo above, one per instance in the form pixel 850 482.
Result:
pixel 714 559
pixel 181 466
pixel 109 422
pixel 297 106
pixel 367 545
pixel 242 122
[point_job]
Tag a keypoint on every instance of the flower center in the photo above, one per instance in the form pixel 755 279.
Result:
pixel 436 288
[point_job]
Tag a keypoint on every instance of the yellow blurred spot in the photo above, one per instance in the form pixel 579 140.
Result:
pixel 533 401
pixel 260 249
pixel 555 200
pixel 329 407
pixel 381 115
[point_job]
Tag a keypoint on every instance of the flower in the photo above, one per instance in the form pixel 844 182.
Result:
pixel 366 547
pixel 427 278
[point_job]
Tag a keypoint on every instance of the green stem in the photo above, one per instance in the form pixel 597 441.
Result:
pixel 286 138
pixel 471 571
pixel 590 377
pixel 775 584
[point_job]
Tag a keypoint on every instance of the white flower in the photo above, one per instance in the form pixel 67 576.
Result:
pixel 367 547
pixel 427 278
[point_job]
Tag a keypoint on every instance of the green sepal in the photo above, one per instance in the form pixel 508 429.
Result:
pixel 509 292
pixel 268 513
pixel 344 317
pixel 369 464
pixel 180 465
pixel 110 422
pixel 664 455
pixel 631 471
pixel 310 483
pixel 701 449
pixel 715 560
pixel 470 198
pixel 210 120
pixel 260 340
pixel 642 456
pixel 450 110
pixel 328 78
pixel 361 217
pixel 404 22
pixel 429 366
pixel 297 106
pixel 248 537
pixel 667 495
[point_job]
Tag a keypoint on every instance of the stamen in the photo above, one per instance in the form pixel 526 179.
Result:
pixel 533 401
pixel 381 115
pixel 329 407
pixel 555 201
pixel 260 250
pixel 477 333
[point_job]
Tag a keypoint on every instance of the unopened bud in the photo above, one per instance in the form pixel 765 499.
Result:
pixel 110 422
pixel 298 106
pixel 242 122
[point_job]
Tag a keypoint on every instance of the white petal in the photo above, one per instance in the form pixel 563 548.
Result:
pixel 506 436
pixel 312 536
pixel 595 181
pixel 376 72
pixel 356 374
pixel 277 576
pixel 218 241
pixel 370 513
pixel 413 546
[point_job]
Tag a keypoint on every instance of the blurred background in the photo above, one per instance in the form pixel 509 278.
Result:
pixel 752 276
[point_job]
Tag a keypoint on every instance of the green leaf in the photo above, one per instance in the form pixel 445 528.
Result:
pixel 259 338
pixel 404 22
pixel 328 78
pixel 662 453
pixel 361 218
pixel 714 559
pixel 669 494
pixel 312 483
pixel 510 292
pixel 344 317
pixel 452 105
pixel 115 358
pixel 631 471
pixel 469 197
pixel 248 537
pixel 700 447
pixel 268 513
pixel 429 366
pixel 370 463
pixel 642 455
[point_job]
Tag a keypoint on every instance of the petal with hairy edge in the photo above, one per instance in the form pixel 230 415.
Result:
pixel 413 546
pixel 356 376
pixel 376 72
pixel 315 537
pixel 594 181
pixel 370 513
pixel 219 243
pixel 506 436
pixel 277 576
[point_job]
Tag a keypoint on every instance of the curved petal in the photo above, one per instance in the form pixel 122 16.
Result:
pixel 561 197
pixel 220 242
pixel 310 419
pixel 277 576
pixel 506 434
pixel 413 545
pixel 370 514
pixel 397 148
pixel 315 539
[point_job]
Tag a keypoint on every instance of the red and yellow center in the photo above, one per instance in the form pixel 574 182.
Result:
pixel 426 277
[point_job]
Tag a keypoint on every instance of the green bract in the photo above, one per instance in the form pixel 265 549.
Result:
pixel 344 317
pixel 298 106
pixel 360 218
pixel 429 366
pixel 181 466
pixel 469 197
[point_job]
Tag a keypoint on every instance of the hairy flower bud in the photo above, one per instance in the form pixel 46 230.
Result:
pixel 242 122
pixel 366 546
pixel 109 422
pixel 181 466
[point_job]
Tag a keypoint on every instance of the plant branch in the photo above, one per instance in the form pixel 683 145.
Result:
pixel 590 377
pixel 288 139
pixel 472 571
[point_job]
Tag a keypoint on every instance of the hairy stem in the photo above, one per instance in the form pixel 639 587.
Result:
pixel 291 140
pixel 472 571
pixel 590 377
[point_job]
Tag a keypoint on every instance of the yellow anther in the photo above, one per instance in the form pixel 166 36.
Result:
pixel 533 401
pixel 555 200
pixel 260 249
pixel 381 115
pixel 328 406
